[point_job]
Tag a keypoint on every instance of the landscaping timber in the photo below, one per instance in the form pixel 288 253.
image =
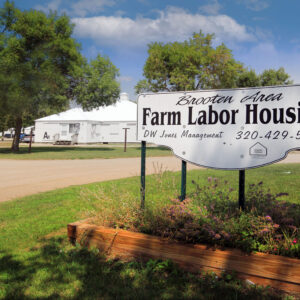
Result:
pixel 260 268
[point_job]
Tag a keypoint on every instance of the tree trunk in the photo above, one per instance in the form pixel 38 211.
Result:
pixel 16 140
pixel 2 135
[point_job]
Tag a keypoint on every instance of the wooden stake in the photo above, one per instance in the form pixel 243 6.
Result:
pixel 125 138
pixel 30 142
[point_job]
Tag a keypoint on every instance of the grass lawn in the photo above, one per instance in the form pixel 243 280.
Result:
pixel 35 267
pixel 90 152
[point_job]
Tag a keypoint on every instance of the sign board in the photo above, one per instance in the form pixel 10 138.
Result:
pixel 223 129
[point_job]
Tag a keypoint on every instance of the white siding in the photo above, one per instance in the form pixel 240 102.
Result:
pixel 114 132
pixel 89 132
pixel 45 131
pixel 93 132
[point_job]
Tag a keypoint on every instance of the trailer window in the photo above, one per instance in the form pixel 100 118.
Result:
pixel 74 127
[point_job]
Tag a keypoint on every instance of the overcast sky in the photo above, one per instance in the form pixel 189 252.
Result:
pixel 262 33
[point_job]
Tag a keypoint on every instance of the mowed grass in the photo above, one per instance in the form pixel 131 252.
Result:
pixel 37 264
pixel 69 152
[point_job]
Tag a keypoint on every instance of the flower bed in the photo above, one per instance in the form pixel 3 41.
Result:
pixel 264 269
pixel 267 225
pixel 210 215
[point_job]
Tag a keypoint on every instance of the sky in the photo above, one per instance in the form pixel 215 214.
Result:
pixel 262 34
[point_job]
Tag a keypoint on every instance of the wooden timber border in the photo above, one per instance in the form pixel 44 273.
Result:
pixel 264 269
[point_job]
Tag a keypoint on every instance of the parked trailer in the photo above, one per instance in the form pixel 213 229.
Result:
pixel 103 125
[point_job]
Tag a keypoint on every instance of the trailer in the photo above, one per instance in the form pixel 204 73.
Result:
pixel 103 125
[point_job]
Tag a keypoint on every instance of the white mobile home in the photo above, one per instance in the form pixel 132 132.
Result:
pixel 106 124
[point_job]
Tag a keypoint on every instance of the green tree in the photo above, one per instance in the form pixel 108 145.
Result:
pixel 266 78
pixel 97 85
pixel 189 65
pixel 275 77
pixel 142 86
pixel 248 78
pixel 42 68
pixel 196 64
pixel 38 60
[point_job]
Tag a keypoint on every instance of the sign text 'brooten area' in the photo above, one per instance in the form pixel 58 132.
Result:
pixel 223 129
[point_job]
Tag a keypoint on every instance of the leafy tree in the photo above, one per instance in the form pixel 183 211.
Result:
pixel 248 78
pixel 189 65
pixel 196 64
pixel 41 67
pixel 142 86
pixel 274 77
pixel 97 85
pixel 38 59
pixel 267 78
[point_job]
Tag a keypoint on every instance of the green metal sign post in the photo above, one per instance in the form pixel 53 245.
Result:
pixel 183 180
pixel 242 189
pixel 143 173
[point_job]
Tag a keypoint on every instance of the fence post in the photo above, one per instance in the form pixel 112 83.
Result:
pixel 125 139
pixel 143 173
pixel 30 141
pixel 242 189
pixel 183 180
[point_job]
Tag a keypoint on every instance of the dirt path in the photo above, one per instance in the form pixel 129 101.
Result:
pixel 23 177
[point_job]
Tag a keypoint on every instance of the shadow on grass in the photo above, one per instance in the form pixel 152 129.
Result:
pixel 58 271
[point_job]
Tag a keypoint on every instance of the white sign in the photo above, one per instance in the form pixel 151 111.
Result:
pixel 223 129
